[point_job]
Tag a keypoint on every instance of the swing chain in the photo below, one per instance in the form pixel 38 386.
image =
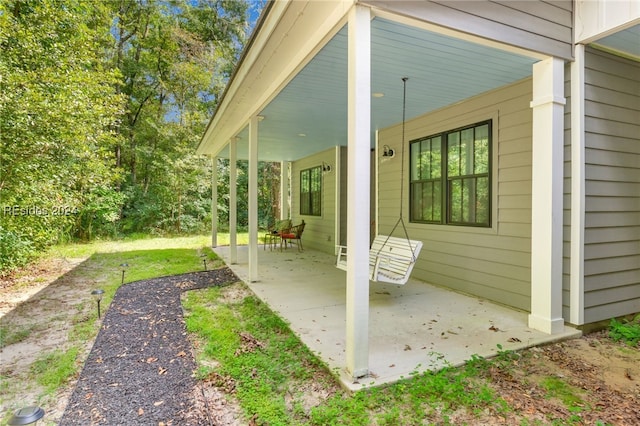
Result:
pixel 401 219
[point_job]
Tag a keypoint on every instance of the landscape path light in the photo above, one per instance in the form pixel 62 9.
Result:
pixel 26 416
pixel 124 267
pixel 204 260
pixel 97 294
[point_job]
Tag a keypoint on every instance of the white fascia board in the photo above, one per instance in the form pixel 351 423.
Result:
pixel 207 144
pixel 595 19
pixel 293 32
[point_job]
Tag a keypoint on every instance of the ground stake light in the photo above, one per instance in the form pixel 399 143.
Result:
pixel 26 416
pixel 97 294
pixel 204 260
pixel 124 267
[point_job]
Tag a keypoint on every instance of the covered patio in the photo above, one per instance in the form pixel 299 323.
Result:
pixel 320 87
pixel 413 328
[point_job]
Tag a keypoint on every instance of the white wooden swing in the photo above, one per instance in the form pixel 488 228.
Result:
pixel 391 259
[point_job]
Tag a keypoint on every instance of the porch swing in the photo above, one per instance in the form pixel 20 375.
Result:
pixel 391 259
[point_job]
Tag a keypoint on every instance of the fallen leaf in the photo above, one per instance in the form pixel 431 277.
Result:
pixel 494 328
pixel 392 365
pixel 182 353
pixel 407 347
pixel 513 340
pixel 158 403
pixel 161 370
pixel 140 411
pixel 151 359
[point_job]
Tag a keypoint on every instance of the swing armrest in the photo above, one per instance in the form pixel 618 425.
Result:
pixel 341 257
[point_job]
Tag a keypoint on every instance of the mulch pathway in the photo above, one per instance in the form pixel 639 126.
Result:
pixel 140 369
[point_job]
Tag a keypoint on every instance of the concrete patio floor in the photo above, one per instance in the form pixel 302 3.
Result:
pixel 412 328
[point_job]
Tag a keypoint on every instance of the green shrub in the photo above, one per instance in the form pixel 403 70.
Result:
pixel 627 331
pixel 15 250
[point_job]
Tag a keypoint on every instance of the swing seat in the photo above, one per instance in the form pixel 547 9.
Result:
pixel 391 259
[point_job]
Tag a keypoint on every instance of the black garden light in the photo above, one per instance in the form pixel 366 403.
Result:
pixel 204 260
pixel 97 294
pixel 26 416
pixel 124 267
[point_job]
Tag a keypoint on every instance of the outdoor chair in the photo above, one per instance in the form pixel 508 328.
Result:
pixel 293 234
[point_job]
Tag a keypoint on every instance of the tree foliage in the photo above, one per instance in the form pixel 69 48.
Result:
pixel 174 58
pixel 58 111
pixel 101 107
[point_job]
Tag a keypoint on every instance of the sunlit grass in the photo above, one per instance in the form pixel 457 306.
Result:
pixel 51 370
pixel 79 250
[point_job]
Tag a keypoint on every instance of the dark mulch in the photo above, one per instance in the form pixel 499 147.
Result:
pixel 140 368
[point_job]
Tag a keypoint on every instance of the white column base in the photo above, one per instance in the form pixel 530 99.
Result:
pixel 546 325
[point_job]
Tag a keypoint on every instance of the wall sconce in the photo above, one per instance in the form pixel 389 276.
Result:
pixel 326 168
pixel 97 294
pixel 388 152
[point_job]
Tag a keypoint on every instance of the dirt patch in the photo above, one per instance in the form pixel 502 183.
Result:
pixel 39 306
pixel 582 381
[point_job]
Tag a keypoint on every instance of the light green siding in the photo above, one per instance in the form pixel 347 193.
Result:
pixel 319 232
pixel 488 262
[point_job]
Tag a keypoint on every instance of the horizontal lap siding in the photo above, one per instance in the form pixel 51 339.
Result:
pixel 319 230
pixel 541 26
pixel 612 230
pixel 491 263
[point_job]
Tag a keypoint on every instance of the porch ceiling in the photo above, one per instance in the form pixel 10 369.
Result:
pixel 442 70
pixel 625 42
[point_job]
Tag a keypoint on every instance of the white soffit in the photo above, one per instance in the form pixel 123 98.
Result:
pixel 442 70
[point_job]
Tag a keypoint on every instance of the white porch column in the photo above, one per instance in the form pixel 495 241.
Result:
pixel 253 198
pixel 359 145
pixel 214 201
pixel 337 169
pixel 547 183
pixel 284 190
pixel 233 204
pixel 576 298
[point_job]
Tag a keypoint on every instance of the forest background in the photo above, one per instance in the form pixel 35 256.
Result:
pixel 102 104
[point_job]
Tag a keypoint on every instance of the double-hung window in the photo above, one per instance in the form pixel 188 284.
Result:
pixel 451 177
pixel 311 191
